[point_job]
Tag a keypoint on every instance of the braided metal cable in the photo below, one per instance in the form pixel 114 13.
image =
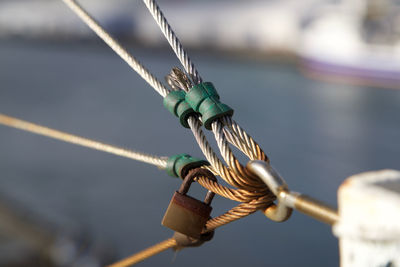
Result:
pixel 251 145
pixel 239 195
pixel 251 203
pixel 236 213
pixel 246 181
pixel 232 133
pixel 238 143
pixel 240 211
pixel 160 162
pixel 235 174
pixel 121 51
pixel 251 149
pixel 218 167
pixel 251 192
pixel 173 40
pixel 146 253
pixel 237 138
pixel 178 80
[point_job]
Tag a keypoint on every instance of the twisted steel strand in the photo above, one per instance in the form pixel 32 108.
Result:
pixel 240 211
pixel 237 137
pixel 238 177
pixel 243 209
pixel 209 153
pixel 238 143
pixel 245 137
pixel 236 213
pixel 239 195
pixel 121 51
pixel 160 162
pixel 173 40
pixel 244 140
pixel 147 253
pixel 246 181
pixel 178 80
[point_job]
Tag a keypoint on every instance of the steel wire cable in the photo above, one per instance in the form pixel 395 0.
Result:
pixel 250 193
pixel 146 253
pixel 178 48
pixel 241 136
pixel 242 139
pixel 254 194
pixel 242 173
pixel 245 181
pixel 234 177
pixel 236 213
pixel 160 162
pixel 173 40
pixel 240 211
pixel 118 48
pixel 179 81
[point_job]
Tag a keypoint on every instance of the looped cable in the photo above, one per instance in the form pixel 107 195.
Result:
pixel 277 212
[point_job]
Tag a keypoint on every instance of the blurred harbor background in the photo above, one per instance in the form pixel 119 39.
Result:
pixel 352 41
pixel 313 81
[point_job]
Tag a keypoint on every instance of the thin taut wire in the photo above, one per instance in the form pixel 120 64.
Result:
pixel 173 40
pixel 121 51
pixel 160 162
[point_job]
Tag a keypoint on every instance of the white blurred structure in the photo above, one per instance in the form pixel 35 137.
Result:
pixel 369 229
pixel 52 19
pixel 357 42
pixel 240 25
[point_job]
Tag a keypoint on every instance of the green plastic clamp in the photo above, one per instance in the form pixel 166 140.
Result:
pixel 203 98
pixel 179 165
pixel 176 104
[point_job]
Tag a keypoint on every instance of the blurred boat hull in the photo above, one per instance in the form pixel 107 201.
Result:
pixel 351 74
pixel 334 48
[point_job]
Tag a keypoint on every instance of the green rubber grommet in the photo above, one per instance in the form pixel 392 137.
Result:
pixel 179 165
pixel 198 93
pixel 176 104
pixel 203 98
pixel 214 111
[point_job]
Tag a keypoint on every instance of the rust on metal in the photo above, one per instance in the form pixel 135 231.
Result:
pixel 192 204
pixel 186 214
pixel 183 241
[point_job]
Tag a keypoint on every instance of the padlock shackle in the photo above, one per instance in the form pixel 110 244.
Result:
pixel 189 178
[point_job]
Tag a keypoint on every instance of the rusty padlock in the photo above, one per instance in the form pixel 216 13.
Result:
pixel 186 214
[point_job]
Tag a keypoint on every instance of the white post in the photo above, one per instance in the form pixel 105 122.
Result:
pixel 369 220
